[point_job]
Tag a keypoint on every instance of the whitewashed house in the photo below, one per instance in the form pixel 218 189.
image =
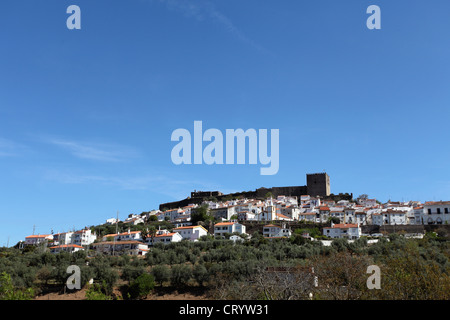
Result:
pixel 124 236
pixel 224 213
pixel 135 248
pixel 324 214
pixel 293 212
pixel 368 202
pixel 62 238
pixel 192 233
pixel 436 212
pixel 236 238
pixel 394 217
pixel 172 214
pixel 134 220
pixel 38 239
pixel 349 215
pixel 222 228
pixel 288 200
pixel 275 231
pixel 70 248
pixel 112 221
pixel 377 219
pixel 343 230
pixel 361 217
pixel 163 236
pixel 338 212
pixel 315 202
pixel 307 216
pixel 282 217
pixel 305 199
pixel 246 215
pixel 418 215
pixel 83 237
pixel 268 213
pixel 182 221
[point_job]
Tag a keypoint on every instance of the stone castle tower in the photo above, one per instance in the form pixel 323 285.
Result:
pixel 318 184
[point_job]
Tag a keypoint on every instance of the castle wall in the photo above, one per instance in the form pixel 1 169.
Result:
pixel 317 184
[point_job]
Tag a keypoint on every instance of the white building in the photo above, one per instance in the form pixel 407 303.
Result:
pixel 274 231
pixel 135 248
pixel 135 220
pixel 172 214
pixel 368 202
pixel 341 230
pixel 124 236
pixel 288 200
pixel 292 212
pixel 164 236
pixel 349 215
pixel 314 202
pixel 418 215
pixel 192 233
pixel 377 219
pixel 62 238
pixel 246 215
pixel 361 218
pixel 222 228
pixel 307 216
pixel 236 238
pixel 304 199
pixel 338 212
pixel 83 237
pixel 436 212
pixel 182 221
pixel 112 221
pixel 224 213
pixel 70 248
pixel 394 217
pixel 282 217
pixel 38 239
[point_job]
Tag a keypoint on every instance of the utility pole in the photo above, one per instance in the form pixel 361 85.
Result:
pixel 114 241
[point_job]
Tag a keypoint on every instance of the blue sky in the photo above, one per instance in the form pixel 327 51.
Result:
pixel 86 115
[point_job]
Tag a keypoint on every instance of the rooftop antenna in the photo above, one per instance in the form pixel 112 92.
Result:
pixel 34 228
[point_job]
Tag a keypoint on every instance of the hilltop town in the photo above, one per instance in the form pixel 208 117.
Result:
pixel 322 217
pixel 282 243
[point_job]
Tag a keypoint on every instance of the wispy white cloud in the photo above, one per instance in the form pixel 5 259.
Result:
pixel 203 10
pixel 10 148
pixel 94 151
pixel 162 184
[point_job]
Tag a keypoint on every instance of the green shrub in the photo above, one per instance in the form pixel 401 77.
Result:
pixel 161 273
pixel 200 274
pixel 95 293
pixel 130 273
pixel 9 292
pixel 181 274
pixel 142 286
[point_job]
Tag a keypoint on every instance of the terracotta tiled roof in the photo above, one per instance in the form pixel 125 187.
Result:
pixel 67 246
pixel 343 226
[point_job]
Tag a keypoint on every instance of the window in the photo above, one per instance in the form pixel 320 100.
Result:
pixel 445 210
pixel 438 210
pixel 429 211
